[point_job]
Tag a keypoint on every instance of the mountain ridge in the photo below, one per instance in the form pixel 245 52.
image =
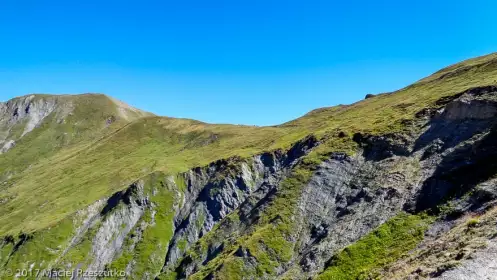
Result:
pixel 460 66
pixel 178 198
pixel 329 122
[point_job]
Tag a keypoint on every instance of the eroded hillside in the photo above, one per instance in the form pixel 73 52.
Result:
pixel 341 193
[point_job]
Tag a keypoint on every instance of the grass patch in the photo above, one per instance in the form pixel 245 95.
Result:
pixel 382 246
pixel 234 269
pixel 472 223
pixel 38 250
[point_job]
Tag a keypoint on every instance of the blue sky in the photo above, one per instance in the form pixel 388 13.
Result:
pixel 242 62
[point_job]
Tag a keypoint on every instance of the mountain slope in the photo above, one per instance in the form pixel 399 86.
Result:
pixel 51 122
pixel 99 185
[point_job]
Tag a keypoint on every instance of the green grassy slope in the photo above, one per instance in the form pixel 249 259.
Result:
pixel 76 118
pixel 382 246
pixel 63 178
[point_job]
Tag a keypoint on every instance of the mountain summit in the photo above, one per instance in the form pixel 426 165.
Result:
pixel 400 185
pixel 61 113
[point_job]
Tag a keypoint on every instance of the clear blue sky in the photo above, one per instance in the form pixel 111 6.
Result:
pixel 235 61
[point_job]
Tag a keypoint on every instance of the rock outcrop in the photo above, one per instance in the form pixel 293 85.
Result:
pixel 22 114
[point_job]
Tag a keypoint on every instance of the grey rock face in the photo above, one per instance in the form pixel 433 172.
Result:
pixel 113 220
pixel 345 199
pixel 26 111
pixel 116 226
pixel 210 197
pixel 7 145
pixel 482 266
pixel 471 113
pixel 476 104
pixel 348 197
